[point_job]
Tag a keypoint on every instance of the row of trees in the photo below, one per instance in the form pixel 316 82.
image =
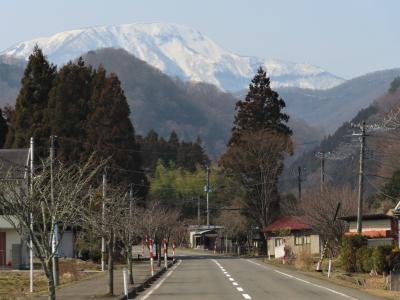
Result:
pixel 86 108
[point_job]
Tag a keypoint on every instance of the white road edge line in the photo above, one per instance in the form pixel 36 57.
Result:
pixel 305 281
pixel 239 289
pixel 147 295
pixel 246 296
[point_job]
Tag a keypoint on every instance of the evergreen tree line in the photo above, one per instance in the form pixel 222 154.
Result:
pixel 184 155
pixel 88 112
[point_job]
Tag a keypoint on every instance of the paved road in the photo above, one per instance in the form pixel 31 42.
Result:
pixel 210 277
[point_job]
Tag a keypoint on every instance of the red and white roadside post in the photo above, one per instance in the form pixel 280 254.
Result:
pixel 151 257
pixel 165 254
pixel 173 251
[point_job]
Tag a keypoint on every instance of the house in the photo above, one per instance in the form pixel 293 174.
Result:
pixel 13 249
pixel 381 229
pixel 206 237
pixel 292 234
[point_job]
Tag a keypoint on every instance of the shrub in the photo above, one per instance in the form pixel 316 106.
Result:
pixel 348 254
pixel 364 261
pixel 304 260
pixel 381 259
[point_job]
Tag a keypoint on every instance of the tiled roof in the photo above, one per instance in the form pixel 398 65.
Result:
pixel 292 223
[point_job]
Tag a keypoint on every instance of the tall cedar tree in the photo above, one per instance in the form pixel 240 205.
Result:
pixel 259 116
pixel 262 109
pixel 68 109
pixel 29 117
pixel 110 134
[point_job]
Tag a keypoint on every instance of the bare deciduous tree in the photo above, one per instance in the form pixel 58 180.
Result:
pixel 318 208
pixel 63 208
pixel 256 160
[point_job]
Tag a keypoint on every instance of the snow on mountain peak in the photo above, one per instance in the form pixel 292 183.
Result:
pixel 178 51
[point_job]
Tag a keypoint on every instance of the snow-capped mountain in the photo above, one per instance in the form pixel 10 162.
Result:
pixel 178 51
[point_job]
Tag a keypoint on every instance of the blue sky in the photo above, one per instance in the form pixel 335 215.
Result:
pixel 345 37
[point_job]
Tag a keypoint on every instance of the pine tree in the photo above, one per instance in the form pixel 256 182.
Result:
pixel 262 109
pixel 111 135
pixel 68 109
pixel 29 117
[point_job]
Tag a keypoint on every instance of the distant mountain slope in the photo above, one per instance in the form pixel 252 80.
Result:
pixel 342 158
pixel 328 109
pixel 177 51
pixel 10 77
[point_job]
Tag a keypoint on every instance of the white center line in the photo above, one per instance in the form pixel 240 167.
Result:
pixel 234 283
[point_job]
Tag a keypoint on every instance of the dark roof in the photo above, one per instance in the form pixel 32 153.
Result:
pixel 291 222
pixel 367 217
pixel 13 163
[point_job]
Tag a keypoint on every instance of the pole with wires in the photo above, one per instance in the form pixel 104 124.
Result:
pixel 31 166
pixel 103 207
pixel 299 182
pixel 55 226
pixel 207 190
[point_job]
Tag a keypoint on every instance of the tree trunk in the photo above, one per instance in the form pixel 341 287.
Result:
pixel 111 266
pixel 130 264
pixel 159 254
pixel 51 287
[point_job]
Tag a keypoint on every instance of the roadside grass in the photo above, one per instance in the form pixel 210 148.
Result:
pixel 14 284
pixel 372 284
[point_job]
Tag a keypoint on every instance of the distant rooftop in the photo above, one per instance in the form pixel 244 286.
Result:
pixel 291 222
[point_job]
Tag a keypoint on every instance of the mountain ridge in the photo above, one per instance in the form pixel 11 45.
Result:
pixel 177 51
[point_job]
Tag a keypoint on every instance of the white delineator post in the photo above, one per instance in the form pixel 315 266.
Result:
pixel 151 257
pixel 125 278
pixel 142 249
pixel 173 251
pixel 329 268
pixel 31 219
pixel 165 254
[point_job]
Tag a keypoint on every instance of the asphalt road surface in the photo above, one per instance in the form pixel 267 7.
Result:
pixel 213 277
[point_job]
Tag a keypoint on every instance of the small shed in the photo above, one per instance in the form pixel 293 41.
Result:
pixel 206 237
pixel 293 233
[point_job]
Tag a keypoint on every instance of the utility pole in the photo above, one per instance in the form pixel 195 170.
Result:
pixel 198 211
pixel 207 190
pixel 31 163
pixel 103 206
pixel 361 179
pixel 299 181
pixel 129 234
pixel 322 153
pixel 55 231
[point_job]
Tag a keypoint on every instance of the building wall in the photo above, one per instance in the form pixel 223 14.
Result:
pixel 12 237
pixel 371 225
pixel 313 246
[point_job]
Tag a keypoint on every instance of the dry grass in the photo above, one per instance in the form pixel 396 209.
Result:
pixel 15 284
pixel 304 261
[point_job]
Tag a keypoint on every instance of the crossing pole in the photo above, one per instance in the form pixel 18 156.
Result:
pixel 31 163
pixel 173 251
pixel 165 254
pixel 103 242
pixel 151 257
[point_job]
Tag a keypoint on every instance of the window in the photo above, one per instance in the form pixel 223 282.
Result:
pixel 278 242
pixel 307 239
pixel 298 240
